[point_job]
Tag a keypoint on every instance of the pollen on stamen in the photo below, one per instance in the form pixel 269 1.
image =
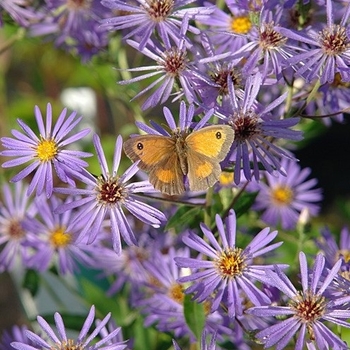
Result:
pixel 308 306
pixel 231 263
pixel 282 195
pixel 174 61
pixel 176 293
pixel 269 38
pixel 159 10
pixel 245 125
pixel 60 238
pixel 46 150
pixel 15 229
pixel 240 25
pixel 68 344
pixel 334 40
pixel 110 191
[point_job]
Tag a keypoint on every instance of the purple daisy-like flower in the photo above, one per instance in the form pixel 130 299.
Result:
pixel 256 131
pixel 228 270
pixel 204 343
pixel 334 251
pixel 330 49
pixel 13 236
pixel 62 341
pixel 66 19
pixel 283 197
pixel 16 333
pixel 55 238
pixel 173 66
pixel 19 11
pixel 164 302
pixel 105 197
pixel 306 309
pixel 148 16
pixel 46 152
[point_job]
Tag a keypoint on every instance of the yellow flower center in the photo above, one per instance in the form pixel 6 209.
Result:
pixel 60 238
pixel 231 263
pixel 345 254
pixel 46 150
pixel 68 344
pixel 282 195
pixel 176 293
pixel 241 25
pixel 226 178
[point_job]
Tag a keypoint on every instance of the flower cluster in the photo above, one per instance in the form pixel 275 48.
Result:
pixel 201 240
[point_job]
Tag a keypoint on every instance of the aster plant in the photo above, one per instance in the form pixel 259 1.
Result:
pixel 47 152
pixel 196 271
pixel 83 340
pixel 230 270
pixel 306 309
pixel 105 197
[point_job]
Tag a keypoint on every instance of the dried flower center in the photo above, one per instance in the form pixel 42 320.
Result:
pixel 343 254
pixel 282 195
pixel 176 293
pixel 245 125
pixel 68 344
pixel 240 25
pixel 334 40
pixel 110 190
pixel 338 82
pixel 308 306
pixel 269 38
pixel 46 150
pixel 15 229
pixel 60 238
pixel 78 4
pixel 220 78
pixel 174 61
pixel 158 10
pixel 231 263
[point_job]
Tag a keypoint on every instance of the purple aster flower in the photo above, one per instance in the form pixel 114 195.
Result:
pixel 46 152
pixel 13 236
pixel 61 341
pixel 283 197
pixel 164 298
pixel 333 251
pixel 16 333
pixel 106 196
pixel 329 51
pixel 228 270
pixel 329 103
pixel 67 19
pixel 306 310
pixel 217 70
pixel 55 238
pixel 229 29
pixel 149 16
pixel 19 10
pixel 256 131
pixel 173 67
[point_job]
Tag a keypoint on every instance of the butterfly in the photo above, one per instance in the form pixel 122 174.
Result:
pixel 195 154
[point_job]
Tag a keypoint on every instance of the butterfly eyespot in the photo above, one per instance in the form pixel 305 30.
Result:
pixel 218 135
pixel 139 146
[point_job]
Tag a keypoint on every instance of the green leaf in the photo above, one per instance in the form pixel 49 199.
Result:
pixel 244 203
pixel 194 316
pixel 31 281
pixel 185 216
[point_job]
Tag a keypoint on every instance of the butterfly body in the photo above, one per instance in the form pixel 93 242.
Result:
pixel 168 159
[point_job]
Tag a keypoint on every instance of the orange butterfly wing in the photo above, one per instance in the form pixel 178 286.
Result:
pixel 157 156
pixel 206 148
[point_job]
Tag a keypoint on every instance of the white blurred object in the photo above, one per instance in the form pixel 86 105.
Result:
pixel 83 100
